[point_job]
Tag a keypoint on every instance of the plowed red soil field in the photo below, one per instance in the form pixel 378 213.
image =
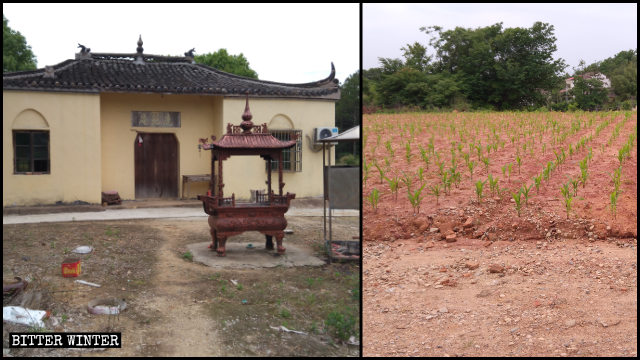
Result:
pixel 469 275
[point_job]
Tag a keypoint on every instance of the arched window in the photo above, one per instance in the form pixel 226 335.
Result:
pixel 281 127
pixel 31 153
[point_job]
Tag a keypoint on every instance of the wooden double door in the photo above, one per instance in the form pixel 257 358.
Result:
pixel 156 165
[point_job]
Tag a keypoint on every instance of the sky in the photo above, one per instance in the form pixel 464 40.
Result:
pixel 290 43
pixel 591 32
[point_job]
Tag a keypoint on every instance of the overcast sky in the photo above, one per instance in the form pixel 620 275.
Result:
pixel 283 43
pixel 592 32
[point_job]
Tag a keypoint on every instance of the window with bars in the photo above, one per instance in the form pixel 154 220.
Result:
pixel 291 158
pixel 31 152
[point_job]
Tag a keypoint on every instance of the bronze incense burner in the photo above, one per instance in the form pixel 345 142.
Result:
pixel 266 215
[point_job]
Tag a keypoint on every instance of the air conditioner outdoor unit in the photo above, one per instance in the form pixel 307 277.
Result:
pixel 324 132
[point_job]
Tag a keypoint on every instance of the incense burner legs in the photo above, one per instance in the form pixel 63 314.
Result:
pixel 269 243
pixel 221 228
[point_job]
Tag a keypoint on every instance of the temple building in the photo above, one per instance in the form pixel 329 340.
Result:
pixel 133 123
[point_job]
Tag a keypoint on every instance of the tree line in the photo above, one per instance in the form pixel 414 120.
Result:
pixel 492 68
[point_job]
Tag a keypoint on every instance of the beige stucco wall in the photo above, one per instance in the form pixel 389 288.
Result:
pixel 73 121
pixel 248 172
pixel 92 143
pixel 199 116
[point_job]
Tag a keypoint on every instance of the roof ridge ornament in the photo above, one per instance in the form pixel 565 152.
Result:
pixel 49 72
pixel 332 76
pixel 246 124
pixel 85 52
pixel 139 50
pixel 189 55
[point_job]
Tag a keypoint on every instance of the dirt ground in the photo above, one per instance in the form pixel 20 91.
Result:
pixel 471 278
pixel 560 298
pixel 176 307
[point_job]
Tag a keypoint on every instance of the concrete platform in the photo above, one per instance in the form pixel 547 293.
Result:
pixel 238 256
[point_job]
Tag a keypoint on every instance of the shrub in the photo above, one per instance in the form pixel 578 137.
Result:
pixel 340 325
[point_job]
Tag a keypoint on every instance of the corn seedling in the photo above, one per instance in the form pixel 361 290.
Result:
pixel 568 199
pixel 382 176
pixel 493 183
pixel 393 185
pixel 485 160
pixel 407 180
pixel 407 147
pixel 570 151
pixel 616 178
pixel 424 156
pixel 415 198
pixel 420 174
pixel 387 144
pixel 509 171
pixel 536 181
pixel 373 199
pixel 614 202
pixel 583 172
pixel 519 161
pixel 547 171
pixel 574 183
pixel 525 192
pixel 430 145
pixel 435 191
pixel 465 156
pixel 516 198
pixel 440 166
pixel 479 187
pixel 446 182
pixel 471 165
pixel 558 158
pixel 455 176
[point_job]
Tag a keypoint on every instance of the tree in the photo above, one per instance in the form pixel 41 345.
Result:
pixel 624 81
pixel 233 64
pixel 16 54
pixel 406 86
pixel 506 68
pixel 348 107
pixel 390 66
pixel 348 112
pixel 416 56
pixel 486 67
pixel 590 94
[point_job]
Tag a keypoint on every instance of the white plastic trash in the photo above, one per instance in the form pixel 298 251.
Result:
pixel 82 250
pixel 20 315
pixel 106 306
pixel 87 283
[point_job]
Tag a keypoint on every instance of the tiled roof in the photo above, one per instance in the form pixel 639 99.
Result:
pixel 251 141
pixel 98 73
